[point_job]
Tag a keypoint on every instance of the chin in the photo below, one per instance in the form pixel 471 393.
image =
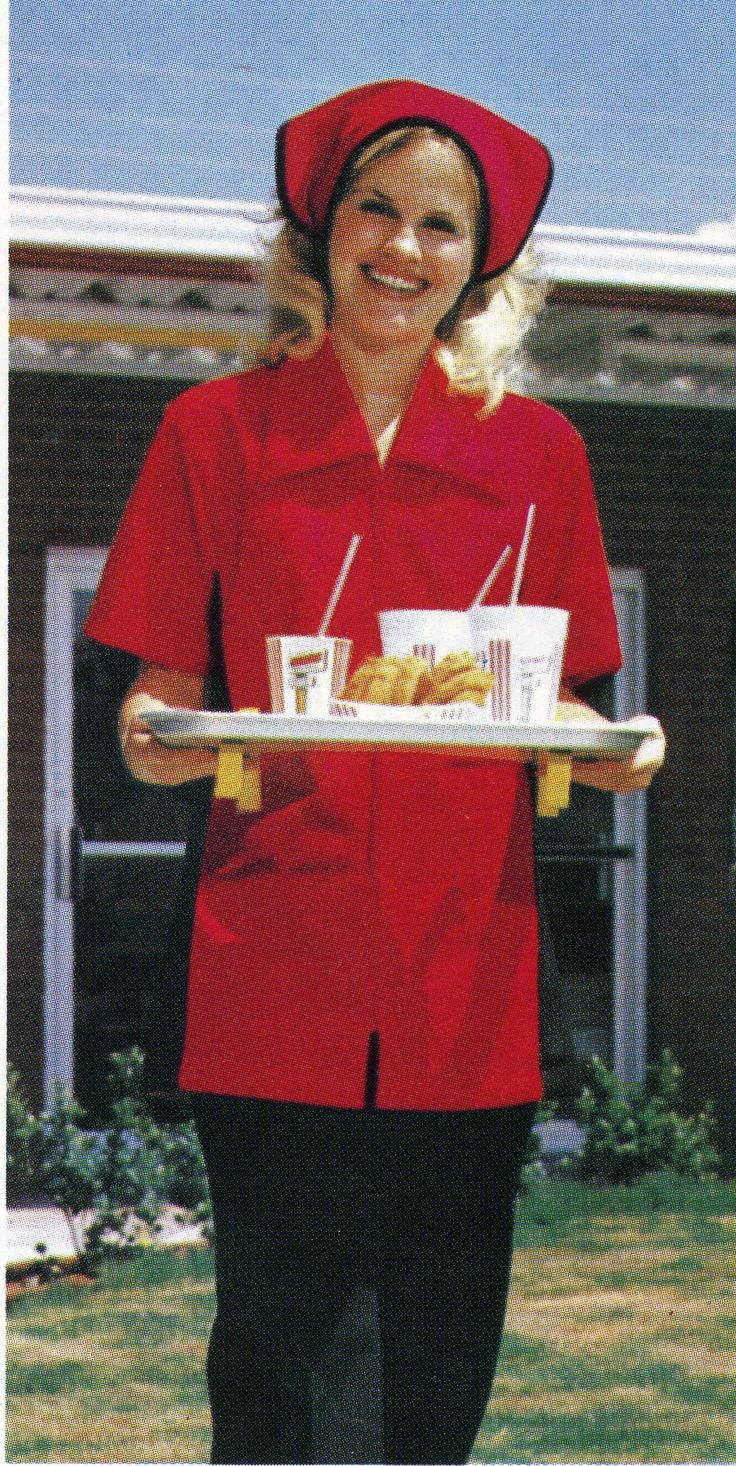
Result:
pixel 397 333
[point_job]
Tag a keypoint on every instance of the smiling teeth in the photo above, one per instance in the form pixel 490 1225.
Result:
pixel 393 281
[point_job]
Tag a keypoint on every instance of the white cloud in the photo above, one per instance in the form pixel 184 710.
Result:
pixel 718 231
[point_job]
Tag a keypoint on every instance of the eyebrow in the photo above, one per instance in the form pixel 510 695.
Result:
pixel 376 192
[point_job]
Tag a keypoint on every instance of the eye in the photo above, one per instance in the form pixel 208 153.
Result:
pixel 442 223
pixel 377 206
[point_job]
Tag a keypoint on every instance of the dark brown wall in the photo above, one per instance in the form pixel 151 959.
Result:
pixel 666 485
pixel 75 446
pixel 665 482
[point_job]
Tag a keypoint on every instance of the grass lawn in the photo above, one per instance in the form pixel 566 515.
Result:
pixel 620 1341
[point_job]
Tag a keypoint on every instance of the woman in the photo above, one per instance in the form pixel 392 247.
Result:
pixel 362 1034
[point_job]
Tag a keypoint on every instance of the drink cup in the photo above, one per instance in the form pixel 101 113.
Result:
pixel 304 672
pixel 523 647
pixel 426 634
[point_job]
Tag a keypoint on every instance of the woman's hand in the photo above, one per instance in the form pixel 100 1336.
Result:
pixel 616 776
pixel 148 759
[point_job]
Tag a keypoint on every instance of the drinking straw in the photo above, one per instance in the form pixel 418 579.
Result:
pixel 486 586
pixel 339 583
pixel 521 562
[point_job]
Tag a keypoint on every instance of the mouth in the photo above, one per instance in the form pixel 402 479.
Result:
pixel 401 283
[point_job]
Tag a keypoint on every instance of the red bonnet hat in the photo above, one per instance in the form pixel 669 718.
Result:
pixel 313 150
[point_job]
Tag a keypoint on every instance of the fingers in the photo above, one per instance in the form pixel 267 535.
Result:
pixel 626 776
pixel 153 762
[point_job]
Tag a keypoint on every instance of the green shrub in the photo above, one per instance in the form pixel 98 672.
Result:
pixel 65 1160
pixel 20 1139
pixel 534 1168
pixel 632 1130
pixel 184 1168
pixel 132 1184
pixel 126 1174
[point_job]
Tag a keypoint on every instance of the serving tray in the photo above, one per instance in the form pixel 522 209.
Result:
pixel 459 728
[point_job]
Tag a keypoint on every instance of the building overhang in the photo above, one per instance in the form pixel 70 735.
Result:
pixel 130 285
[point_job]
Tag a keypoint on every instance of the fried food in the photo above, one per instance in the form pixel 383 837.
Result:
pixel 457 678
pixel 393 681
pixel 407 681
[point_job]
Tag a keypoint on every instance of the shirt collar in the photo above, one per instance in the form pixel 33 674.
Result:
pixel 314 422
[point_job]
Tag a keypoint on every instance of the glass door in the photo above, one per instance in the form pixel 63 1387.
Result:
pixel 114 848
pixel 593 878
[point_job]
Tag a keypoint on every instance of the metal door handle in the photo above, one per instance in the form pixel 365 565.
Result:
pixel 69 849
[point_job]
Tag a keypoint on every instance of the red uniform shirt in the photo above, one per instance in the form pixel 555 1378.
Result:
pixel 389 894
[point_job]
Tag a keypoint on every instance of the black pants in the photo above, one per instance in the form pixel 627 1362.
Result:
pixel 415 1211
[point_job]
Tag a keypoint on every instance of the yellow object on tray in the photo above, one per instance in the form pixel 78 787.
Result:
pixel 553 784
pixel 239 775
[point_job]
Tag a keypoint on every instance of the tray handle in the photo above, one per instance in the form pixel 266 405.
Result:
pixel 239 775
pixel 553 784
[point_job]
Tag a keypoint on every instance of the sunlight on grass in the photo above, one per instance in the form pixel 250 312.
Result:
pixel 620 1343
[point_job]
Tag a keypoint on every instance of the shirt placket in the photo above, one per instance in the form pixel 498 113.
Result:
pixel 378 480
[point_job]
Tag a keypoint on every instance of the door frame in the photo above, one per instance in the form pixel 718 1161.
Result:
pixel 68 568
pixel 630 875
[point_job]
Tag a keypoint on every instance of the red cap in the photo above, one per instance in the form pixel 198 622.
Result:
pixel 313 149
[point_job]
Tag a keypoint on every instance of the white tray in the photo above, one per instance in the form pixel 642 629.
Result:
pixel 459 728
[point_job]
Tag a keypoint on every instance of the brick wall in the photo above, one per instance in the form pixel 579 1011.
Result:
pixel 665 482
pixel 75 446
pixel 667 495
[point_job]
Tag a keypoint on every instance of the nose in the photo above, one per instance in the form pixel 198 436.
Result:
pixel 404 239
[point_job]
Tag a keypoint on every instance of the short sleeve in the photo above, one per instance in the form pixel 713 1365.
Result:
pixel 155 593
pixel 583 584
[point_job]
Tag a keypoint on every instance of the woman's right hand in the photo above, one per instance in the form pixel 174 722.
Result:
pixel 147 758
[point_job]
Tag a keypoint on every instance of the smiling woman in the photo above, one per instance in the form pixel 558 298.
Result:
pixel 362 1034
pixel 403 241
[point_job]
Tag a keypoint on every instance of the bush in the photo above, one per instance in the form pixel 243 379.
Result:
pixel 132 1183
pixel 20 1139
pixel 534 1169
pixel 65 1159
pixel 184 1168
pixel 126 1174
pixel 632 1130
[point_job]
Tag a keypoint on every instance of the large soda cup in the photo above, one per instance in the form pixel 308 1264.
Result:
pixel 523 647
pixel 430 635
pixel 305 672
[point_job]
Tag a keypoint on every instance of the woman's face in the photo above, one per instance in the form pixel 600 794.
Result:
pixel 402 244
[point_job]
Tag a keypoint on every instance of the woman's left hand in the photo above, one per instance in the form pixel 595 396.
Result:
pixel 616 776
pixel 626 776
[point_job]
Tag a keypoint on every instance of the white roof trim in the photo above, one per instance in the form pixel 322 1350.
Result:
pixel 626 257
pixel 81 219
pixel 225 229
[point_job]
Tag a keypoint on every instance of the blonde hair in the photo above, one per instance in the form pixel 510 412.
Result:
pixel 475 341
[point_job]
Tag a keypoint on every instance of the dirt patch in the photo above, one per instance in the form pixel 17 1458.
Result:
pixel 30 1282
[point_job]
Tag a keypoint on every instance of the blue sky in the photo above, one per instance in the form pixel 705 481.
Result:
pixel 636 101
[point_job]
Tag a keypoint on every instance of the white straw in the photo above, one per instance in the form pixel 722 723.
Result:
pixel 486 586
pixel 521 562
pixel 339 583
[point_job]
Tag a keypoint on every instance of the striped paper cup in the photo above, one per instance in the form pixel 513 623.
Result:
pixel 305 672
pixel 523 647
pixel 430 635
